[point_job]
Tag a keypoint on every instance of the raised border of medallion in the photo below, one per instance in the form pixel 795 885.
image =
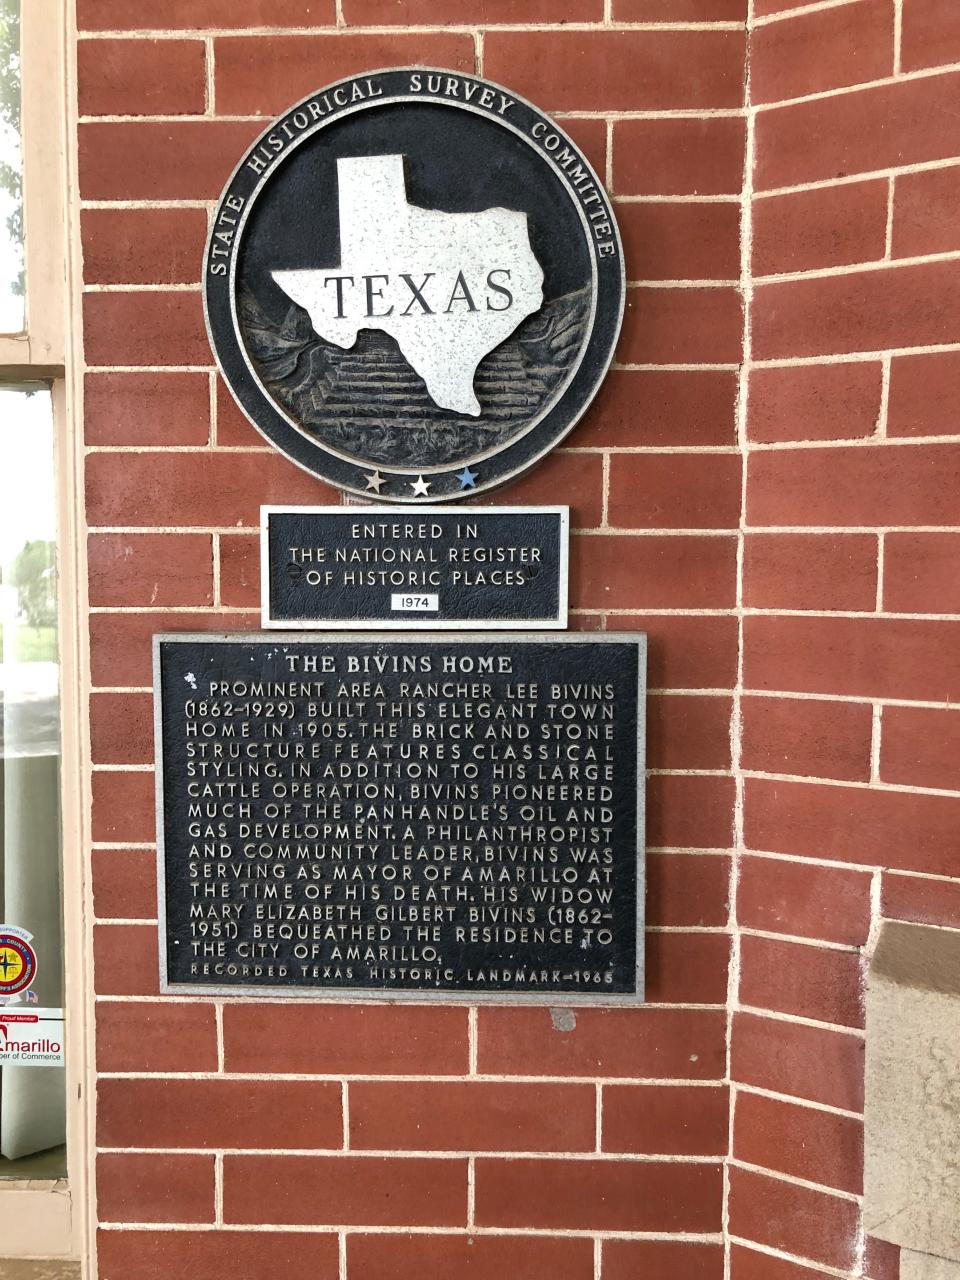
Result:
pixel 408 622
pixel 532 444
pixel 367 995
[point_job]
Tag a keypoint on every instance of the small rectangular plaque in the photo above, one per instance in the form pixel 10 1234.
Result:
pixel 430 817
pixel 502 568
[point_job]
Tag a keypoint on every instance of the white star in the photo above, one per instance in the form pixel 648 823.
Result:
pixel 375 481
pixel 420 486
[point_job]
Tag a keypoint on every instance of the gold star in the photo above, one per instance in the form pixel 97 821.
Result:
pixel 375 481
pixel 420 486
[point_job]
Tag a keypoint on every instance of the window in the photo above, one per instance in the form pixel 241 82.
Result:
pixel 41 1122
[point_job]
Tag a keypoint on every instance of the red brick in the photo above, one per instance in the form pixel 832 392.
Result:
pixel 125 884
pixel 352 1040
pixel 881 1261
pixel 679 157
pixel 688 733
pixel 803 1142
pixel 870 484
pixel 931 34
pixel 146 408
pixel 814 402
pixel 119 15
pixel 154 1188
pixel 121 728
pixel 858 657
pixel 578 476
pixel 590 135
pixel 349 1190
pixel 924 213
pixel 141 77
pixel 687 967
pixel 619 70
pixel 656 407
pixel 912 305
pixel 254 76
pixel 420 1116
pixel 920 901
pixel 209 1255
pixel 193 489
pixel 219 1113
pixel 164 1036
pixel 240 571
pixel 806 1062
pixel 665 1120
pixel 810 738
pixel 827 49
pixel 924 391
pixel 121 645
pixel 233 425
pixel 617 572
pixel 819 571
pixel 143 246
pixel 804 899
pixel 146 160
pixel 835 137
pixel 675 491
pixel 150 569
pixel 762 8
pixel 411 1257
pixel 748 1264
pixel 689 811
pixel 798 1220
pixel 682 326
pixel 669 1044
pixel 809 982
pixel 679 10
pixel 661 1260
pixel 126 960
pixel 688 241
pixel 598 1195
pixel 145 328
pixel 826 227
pixel 921 573
pixel 860 825
pixel 684 652
pixel 920 747
pixel 413 13
pixel 123 806
pixel 686 890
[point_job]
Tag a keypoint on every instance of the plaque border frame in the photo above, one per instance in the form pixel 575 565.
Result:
pixel 416 623
pixel 371 995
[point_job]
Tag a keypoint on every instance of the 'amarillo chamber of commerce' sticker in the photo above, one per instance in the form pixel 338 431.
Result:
pixel 31 1037
pixel 414 284
pixel 18 960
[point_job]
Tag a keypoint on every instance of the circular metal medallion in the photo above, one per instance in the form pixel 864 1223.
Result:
pixel 414 284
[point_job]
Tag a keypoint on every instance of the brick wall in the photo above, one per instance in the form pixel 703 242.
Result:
pixel 851 590
pixel 792 312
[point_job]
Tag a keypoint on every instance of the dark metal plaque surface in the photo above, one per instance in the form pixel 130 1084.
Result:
pixel 503 568
pixel 414 284
pixel 431 817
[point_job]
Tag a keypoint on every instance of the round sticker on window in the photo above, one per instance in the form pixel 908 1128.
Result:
pixel 18 960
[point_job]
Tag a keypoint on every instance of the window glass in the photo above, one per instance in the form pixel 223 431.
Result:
pixel 32 1089
pixel 11 201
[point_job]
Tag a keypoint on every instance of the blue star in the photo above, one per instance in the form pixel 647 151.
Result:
pixel 467 478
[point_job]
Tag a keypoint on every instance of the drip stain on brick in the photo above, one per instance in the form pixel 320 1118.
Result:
pixel 563 1019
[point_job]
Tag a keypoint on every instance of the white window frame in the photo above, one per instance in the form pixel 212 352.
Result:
pixel 45 1218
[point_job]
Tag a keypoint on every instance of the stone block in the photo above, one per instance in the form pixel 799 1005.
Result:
pixel 912 1112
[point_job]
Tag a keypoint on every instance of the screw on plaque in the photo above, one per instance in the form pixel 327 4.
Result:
pixel 294 572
